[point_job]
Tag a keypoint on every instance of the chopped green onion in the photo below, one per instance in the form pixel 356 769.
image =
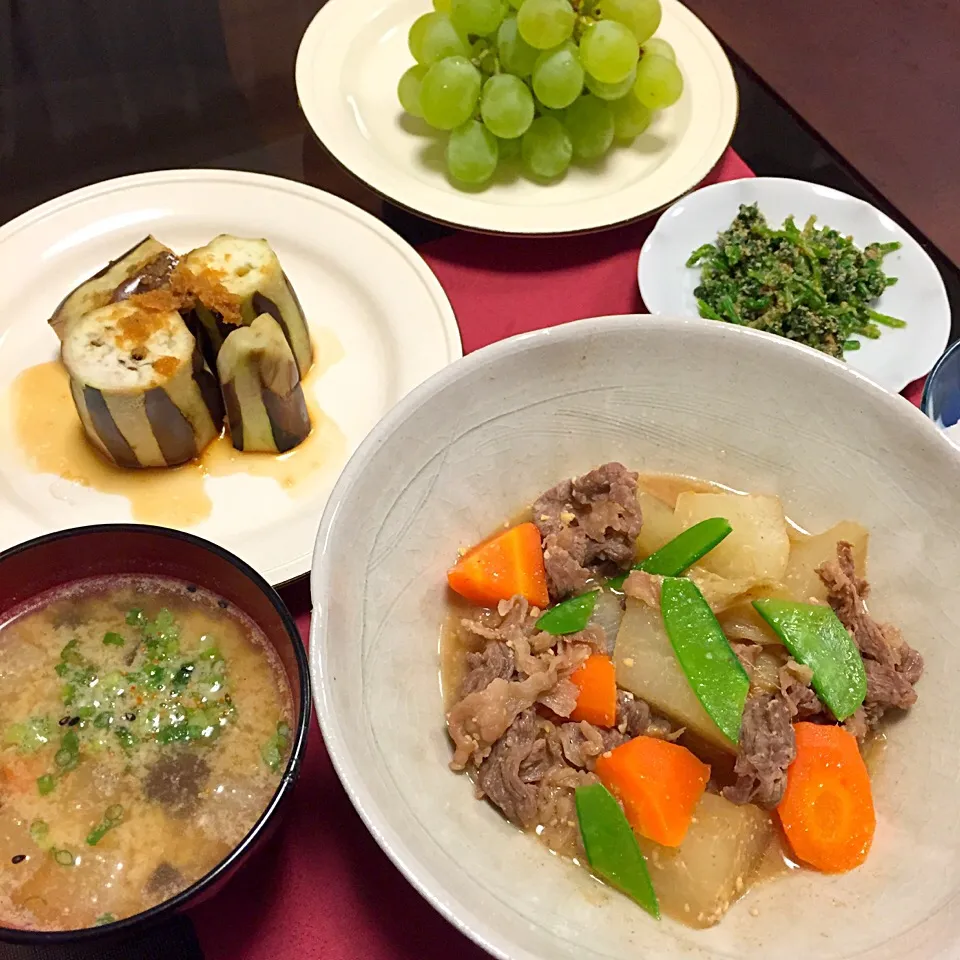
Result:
pixel 104 919
pixel 113 817
pixel 113 640
pixel 63 857
pixel 39 831
pixel 46 783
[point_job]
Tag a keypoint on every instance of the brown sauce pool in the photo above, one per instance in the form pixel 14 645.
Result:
pixel 52 440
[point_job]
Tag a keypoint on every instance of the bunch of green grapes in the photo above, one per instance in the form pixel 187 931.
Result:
pixel 549 81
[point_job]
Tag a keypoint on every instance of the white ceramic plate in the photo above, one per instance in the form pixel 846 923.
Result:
pixel 357 280
pixel 919 297
pixel 354 53
pixel 486 436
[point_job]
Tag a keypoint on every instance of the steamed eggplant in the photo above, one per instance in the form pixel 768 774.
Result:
pixel 233 281
pixel 140 385
pixel 145 267
pixel 266 410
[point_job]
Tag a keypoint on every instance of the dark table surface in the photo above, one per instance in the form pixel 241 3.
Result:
pixel 91 89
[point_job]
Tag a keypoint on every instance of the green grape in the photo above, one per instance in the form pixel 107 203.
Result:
pixel 609 51
pixel 449 93
pixel 611 91
pixel 558 76
pixel 506 106
pixel 630 118
pixel 442 5
pixel 589 122
pixel 659 82
pixel 546 23
pixel 516 55
pixel 641 16
pixel 546 148
pixel 433 37
pixel 478 17
pixel 408 90
pixel 655 47
pixel 472 153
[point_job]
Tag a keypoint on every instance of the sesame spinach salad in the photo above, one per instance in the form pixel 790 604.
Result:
pixel 810 284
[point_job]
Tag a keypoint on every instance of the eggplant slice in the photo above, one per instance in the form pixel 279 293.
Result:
pixel 147 266
pixel 141 388
pixel 266 410
pixel 232 282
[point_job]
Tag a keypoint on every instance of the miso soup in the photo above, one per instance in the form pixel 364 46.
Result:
pixel 144 727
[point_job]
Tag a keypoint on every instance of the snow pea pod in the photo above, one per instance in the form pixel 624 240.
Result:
pixel 571 616
pixel 682 552
pixel 612 849
pixel 704 653
pixel 816 638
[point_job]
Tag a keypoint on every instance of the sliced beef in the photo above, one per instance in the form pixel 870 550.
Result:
pixel 175 780
pixel 588 526
pixel 583 742
pixel 767 748
pixel 644 587
pixel 512 617
pixel 499 775
pixel 493 662
pixel 480 719
pixel 633 716
pixel 557 811
pixel 856 724
pixel 891 664
pixel 747 654
pixel 798 695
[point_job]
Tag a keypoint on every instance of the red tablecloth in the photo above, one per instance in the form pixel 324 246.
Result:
pixel 323 889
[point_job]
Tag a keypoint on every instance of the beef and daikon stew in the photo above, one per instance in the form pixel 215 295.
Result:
pixel 145 726
pixel 672 685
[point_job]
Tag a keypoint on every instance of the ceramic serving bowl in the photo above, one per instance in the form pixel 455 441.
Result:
pixel 61 558
pixel 480 440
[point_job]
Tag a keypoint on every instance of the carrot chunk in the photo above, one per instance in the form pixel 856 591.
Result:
pixel 827 809
pixel 508 564
pixel 597 699
pixel 659 784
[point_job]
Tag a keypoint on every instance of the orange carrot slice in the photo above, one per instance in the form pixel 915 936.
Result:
pixel 827 810
pixel 510 563
pixel 597 699
pixel 659 784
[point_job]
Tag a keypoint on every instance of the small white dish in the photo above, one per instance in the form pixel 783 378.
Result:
pixel 898 357
pixel 353 55
pixel 365 292
pixel 488 434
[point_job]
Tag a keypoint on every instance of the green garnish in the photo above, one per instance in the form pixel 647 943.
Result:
pixel 812 285
pixel 111 639
pixel 46 784
pixel 126 738
pixel 113 817
pixel 39 831
pixel 274 751
pixel 68 756
pixel 30 736
pixel 104 919
pixel 63 857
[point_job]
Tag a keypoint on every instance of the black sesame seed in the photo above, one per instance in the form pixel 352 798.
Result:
pixel 73 721
pixel 19 858
pixel 222 604
pixel 64 721
pixel 191 588
pixel 129 717
pixel 227 698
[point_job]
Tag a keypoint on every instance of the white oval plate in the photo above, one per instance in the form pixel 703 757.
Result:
pixel 919 297
pixel 354 53
pixel 354 277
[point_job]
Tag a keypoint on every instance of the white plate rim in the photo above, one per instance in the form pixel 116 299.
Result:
pixel 649 292
pixel 490 219
pixel 294 567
